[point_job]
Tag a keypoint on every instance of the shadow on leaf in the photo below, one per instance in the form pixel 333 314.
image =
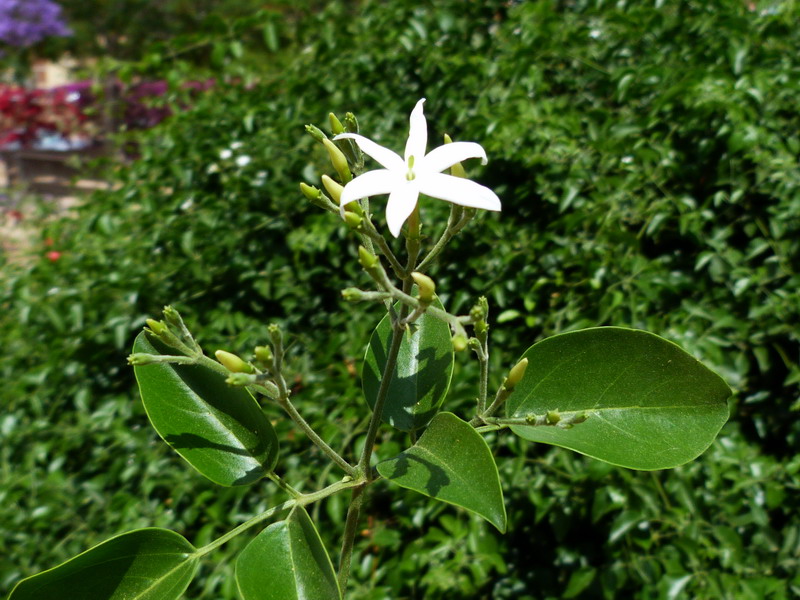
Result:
pixel 412 476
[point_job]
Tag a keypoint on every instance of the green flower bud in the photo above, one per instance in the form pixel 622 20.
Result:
pixel 240 379
pixel 367 259
pixel 553 417
pixel 334 189
pixel 173 317
pixel 516 374
pixel 578 418
pixel 352 220
pixel 352 294
pixel 456 170
pixel 480 327
pixel 157 327
pixel 336 125
pixel 338 160
pixel 480 311
pixel 350 123
pixel 142 358
pixel 310 192
pixel 232 362
pixel 316 133
pixel 459 343
pixel 426 287
pixel 275 335
pixel 264 354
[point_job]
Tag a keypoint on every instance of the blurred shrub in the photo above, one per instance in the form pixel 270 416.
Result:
pixel 647 161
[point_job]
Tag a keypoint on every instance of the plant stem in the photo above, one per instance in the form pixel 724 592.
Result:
pixel 442 315
pixel 412 243
pixel 210 363
pixel 488 428
pixel 371 233
pixel 363 464
pixel 502 394
pixel 286 404
pixel 303 500
pixel 294 415
pixel 279 481
pixel 483 360
pixel 350 526
pixel 383 392
pixel 553 418
pixel 453 227
pixel 364 470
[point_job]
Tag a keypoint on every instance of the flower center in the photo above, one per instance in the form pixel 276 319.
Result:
pixel 410 175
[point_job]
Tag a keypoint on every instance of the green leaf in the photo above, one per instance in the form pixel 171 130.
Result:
pixel 287 561
pixel 220 430
pixel 421 379
pixel 452 463
pixel 146 564
pixel 650 405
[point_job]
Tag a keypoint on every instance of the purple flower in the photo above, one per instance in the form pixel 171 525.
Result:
pixel 26 22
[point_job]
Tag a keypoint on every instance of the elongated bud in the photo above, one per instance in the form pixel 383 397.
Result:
pixel 173 317
pixel 456 170
pixel 483 303
pixel 352 294
pixel 367 259
pixel 516 374
pixel 427 288
pixel 578 418
pixel 338 160
pixel 241 379
pixel 316 197
pixel 350 123
pixel 336 124
pixel 156 327
pixel 459 343
pixel 333 188
pixel 310 192
pixel 264 354
pixel 140 359
pixel 316 133
pixel 352 219
pixel 232 362
pixel 275 335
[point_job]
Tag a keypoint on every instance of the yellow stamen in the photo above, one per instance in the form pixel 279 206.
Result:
pixel 410 175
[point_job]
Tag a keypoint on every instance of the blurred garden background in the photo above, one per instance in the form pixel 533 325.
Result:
pixel 646 154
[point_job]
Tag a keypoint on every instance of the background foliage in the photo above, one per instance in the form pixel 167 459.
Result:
pixel 646 156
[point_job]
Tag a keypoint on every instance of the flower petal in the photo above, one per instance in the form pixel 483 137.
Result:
pixel 458 191
pixel 417 134
pixel 371 183
pixel 388 158
pixel 402 202
pixel 447 155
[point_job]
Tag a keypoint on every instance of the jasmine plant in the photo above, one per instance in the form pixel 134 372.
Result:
pixel 623 396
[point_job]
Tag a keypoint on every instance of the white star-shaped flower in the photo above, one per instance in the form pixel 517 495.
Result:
pixel 404 179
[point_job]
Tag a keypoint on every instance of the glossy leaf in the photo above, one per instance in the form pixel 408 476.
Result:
pixel 287 561
pixel 146 564
pixel 422 377
pixel 452 463
pixel 650 405
pixel 220 430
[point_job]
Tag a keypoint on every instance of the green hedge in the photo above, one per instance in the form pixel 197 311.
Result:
pixel 647 162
